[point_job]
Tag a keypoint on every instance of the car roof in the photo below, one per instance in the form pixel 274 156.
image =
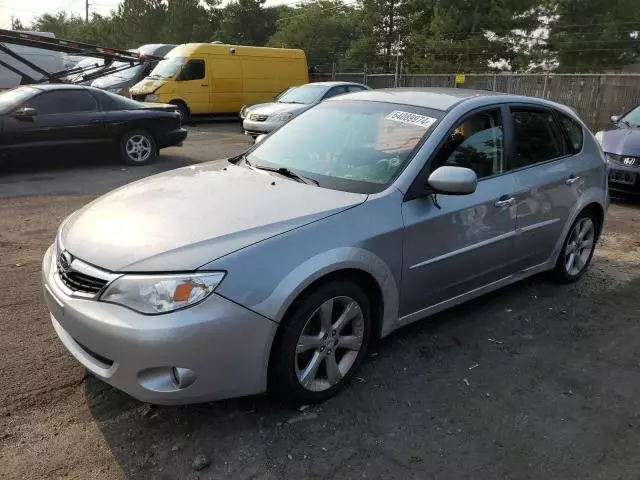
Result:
pixel 334 83
pixel 57 86
pixel 436 98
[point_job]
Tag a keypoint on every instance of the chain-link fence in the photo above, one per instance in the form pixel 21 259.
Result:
pixel 594 97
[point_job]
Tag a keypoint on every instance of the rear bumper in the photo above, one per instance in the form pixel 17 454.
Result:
pixel 172 138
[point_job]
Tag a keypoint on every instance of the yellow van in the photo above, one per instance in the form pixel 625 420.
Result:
pixel 206 78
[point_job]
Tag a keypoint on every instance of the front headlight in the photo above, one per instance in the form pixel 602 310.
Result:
pixel 599 137
pixel 155 294
pixel 152 98
pixel 282 117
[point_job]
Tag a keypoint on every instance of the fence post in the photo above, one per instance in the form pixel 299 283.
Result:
pixel 395 77
pixel 546 83
pixel 495 81
pixel 333 70
pixel 364 75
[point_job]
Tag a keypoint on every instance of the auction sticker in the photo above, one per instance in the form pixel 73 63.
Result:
pixel 411 118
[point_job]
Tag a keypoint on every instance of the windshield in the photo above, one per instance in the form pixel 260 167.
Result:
pixel 168 67
pixel 12 98
pixel 633 117
pixel 353 146
pixel 126 74
pixel 306 94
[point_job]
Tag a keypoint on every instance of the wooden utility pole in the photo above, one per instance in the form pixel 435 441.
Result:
pixel 86 11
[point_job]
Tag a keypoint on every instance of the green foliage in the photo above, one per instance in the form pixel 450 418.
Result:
pixel 427 35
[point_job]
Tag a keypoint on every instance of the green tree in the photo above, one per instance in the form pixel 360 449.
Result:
pixel 248 22
pixel 608 40
pixel 187 21
pixel 324 29
pixel 138 22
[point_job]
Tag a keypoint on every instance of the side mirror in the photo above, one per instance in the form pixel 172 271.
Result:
pixel 615 118
pixel 258 139
pixel 453 180
pixel 25 113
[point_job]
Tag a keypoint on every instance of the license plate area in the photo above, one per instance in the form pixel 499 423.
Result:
pixel 625 178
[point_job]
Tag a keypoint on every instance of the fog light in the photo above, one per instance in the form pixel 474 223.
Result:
pixel 183 376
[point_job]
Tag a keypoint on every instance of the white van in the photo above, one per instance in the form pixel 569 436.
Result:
pixel 46 59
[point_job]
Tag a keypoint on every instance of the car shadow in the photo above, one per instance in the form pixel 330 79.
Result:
pixel 467 369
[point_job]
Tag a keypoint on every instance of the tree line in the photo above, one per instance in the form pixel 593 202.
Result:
pixel 427 36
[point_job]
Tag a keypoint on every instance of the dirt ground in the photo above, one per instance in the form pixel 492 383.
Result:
pixel 535 381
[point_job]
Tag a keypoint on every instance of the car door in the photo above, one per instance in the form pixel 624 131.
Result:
pixel 458 244
pixel 547 188
pixel 193 86
pixel 63 118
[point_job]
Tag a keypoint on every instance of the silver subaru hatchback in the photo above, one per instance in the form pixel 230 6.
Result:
pixel 368 212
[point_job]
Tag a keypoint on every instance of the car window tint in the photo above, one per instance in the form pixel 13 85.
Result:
pixel 476 143
pixel 574 133
pixel 63 101
pixel 537 137
pixel 335 91
pixel 355 88
pixel 193 70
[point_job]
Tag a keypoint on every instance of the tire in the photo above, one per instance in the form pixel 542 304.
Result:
pixel 288 366
pixel 582 256
pixel 185 114
pixel 138 147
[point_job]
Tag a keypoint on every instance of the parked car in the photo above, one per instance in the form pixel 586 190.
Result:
pixel 37 118
pixel 212 78
pixel 621 144
pixel 247 108
pixel 265 118
pixel 121 81
pixel 86 66
pixel 369 212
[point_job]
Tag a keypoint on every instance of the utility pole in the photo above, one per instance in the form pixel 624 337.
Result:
pixel 86 11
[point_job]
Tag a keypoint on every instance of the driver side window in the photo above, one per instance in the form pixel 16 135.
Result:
pixel 476 143
pixel 193 70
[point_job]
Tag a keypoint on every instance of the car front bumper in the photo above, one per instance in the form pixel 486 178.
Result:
pixel 172 138
pixel 219 348
pixel 624 179
pixel 254 128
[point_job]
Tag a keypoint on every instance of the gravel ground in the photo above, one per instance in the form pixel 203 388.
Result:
pixel 534 381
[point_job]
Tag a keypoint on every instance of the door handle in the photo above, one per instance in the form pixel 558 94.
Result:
pixel 571 180
pixel 505 202
pixel 204 84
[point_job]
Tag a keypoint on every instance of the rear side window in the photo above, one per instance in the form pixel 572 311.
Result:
pixel 335 91
pixel 573 131
pixel 63 101
pixel 538 137
pixel 355 88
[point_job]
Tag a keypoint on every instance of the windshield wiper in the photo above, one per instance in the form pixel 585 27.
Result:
pixel 624 122
pixel 285 172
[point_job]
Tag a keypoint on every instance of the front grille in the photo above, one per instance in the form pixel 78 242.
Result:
pixel 258 118
pixel 623 160
pixel 76 281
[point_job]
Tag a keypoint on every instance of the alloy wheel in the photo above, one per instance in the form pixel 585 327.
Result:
pixel 329 343
pixel 138 148
pixel 579 246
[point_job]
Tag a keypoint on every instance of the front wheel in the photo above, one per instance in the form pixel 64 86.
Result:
pixel 578 248
pixel 324 340
pixel 138 148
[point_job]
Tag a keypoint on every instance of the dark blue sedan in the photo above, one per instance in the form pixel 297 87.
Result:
pixel 621 144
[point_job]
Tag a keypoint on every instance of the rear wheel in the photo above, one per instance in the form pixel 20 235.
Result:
pixel 138 147
pixel 578 248
pixel 324 340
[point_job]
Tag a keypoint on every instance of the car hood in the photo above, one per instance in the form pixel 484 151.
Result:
pixel 622 141
pixel 147 86
pixel 185 218
pixel 273 108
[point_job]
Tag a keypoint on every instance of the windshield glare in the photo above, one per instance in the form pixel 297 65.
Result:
pixel 633 117
pixel 168 67
pixel 307 94
pixel 13 98
pixel 348 145
pixel 126 74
